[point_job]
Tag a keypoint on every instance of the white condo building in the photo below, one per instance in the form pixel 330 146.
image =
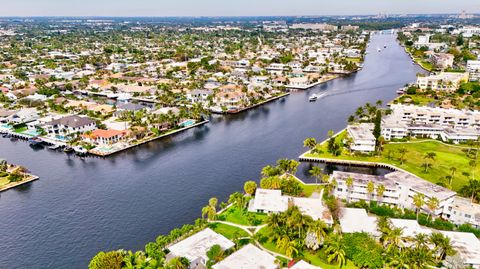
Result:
pixel 449 124
pixel 362 137
pixel 444 81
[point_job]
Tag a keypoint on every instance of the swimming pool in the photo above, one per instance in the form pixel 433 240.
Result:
pixel 31 133
pixel 187 123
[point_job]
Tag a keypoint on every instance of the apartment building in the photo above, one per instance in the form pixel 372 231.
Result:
pixel 473 68
pixel 449 124
pixel 462 211
pixel 443 81
pixel 400 188
pixel 442 60
pixel 362 137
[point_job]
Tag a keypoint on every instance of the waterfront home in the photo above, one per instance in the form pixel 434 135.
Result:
pixel 356 220
pixel 443 81
pixel 70 125
pixel 195 247
pixel 268 201
pixel 248 257
pixel 461 211
pixel 4 114
pixel 104 137
pixel 362 138
pixel 199 95
pixel 272 201
pixel 467 246
pixel 400 188
pixel 24 115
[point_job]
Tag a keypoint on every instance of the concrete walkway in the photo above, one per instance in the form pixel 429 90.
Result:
pixel 243 227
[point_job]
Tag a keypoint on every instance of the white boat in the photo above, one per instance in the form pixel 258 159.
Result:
pixel 312 98
pixel 80 150
pixel 378 49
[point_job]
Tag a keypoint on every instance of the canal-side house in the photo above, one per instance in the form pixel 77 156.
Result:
pixel 24 115
pixel 104 137
pixel 362 138
pixel 195 247
pixel 250 257
pixel 70 125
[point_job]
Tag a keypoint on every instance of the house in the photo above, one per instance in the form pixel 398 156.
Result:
pixel 356 220
pixel 105 137
pixel 442 60
pixel 410 227
pixel 24 115
pixel 199 95
pixel 272 201
pixel 444 81
pixel 362 137
pixel 195 247
pixel 268 201
pixel 467 246
pixel 70 125
pixel 248 257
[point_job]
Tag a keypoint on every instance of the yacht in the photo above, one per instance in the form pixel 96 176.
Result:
pixel 312 98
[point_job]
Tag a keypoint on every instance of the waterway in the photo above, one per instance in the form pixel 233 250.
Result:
pixel 82 206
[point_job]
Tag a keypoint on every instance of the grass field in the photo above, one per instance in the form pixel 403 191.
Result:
pixel 227 230
pixel 4 181
pixel 447 156
pixel 415 99
pixel 237 216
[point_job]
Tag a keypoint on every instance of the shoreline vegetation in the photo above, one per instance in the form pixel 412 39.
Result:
pixel 12 176
pixel 291 235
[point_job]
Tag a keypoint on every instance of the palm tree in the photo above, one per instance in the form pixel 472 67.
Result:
pixel 428 156
pixel 393 239
pixel 291 248
pixel 316 172
pixel 403 151
pixel 380 192
pixel 318 228
pixel 335 250
pixel 370 190
pixel 443 246
pixel 310 143
pixel 349 183
pixel 473 165
pixel 418 201
pixel 453 169
pixel 432 204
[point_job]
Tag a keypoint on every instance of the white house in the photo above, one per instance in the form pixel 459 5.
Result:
pixel 248 257
pixel 195 247
pixel 70 125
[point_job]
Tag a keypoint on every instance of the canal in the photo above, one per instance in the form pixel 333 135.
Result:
pixel 82 206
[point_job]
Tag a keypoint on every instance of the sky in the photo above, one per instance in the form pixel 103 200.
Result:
pixel 230 7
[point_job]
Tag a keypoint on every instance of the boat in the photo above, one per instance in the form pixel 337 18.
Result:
pixel 80 150
pixel 54 147
pixel 68 149
pixel 312 98
pixel 378 49
pixel 35 141
pixel 384 46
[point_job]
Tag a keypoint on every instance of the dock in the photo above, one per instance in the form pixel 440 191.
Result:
pixel 259 104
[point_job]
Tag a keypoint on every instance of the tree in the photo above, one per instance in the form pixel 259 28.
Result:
pixel 418 202
pixel 316 172
pixel 403 151
pixel 428 156
pixel 215 254
pixel 453 170
pixel 349 183
pixel 210 210
pixel 380 191
pixel 111 260
pixel 335 250
pixel 238 199
pixel 178 263
pixel 316 233
pixel 310 143
pixel 443 246
pixel 471 189
pixel 250 187
pixel 432 204
pixel 370 190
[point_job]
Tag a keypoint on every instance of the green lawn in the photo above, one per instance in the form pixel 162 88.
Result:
pixel 415 99
pixel 354 60
pixel 227 230
pixel 20 129
pixel 4 181
pixel 242 217
pixel 447 156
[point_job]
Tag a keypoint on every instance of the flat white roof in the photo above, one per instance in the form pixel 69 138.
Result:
pixel 248 257
pixel 314 208
pixel 409 227
pixel 270 200
pixel 304 265
pixel 356 220
pixel 198 244
pixel 466 244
